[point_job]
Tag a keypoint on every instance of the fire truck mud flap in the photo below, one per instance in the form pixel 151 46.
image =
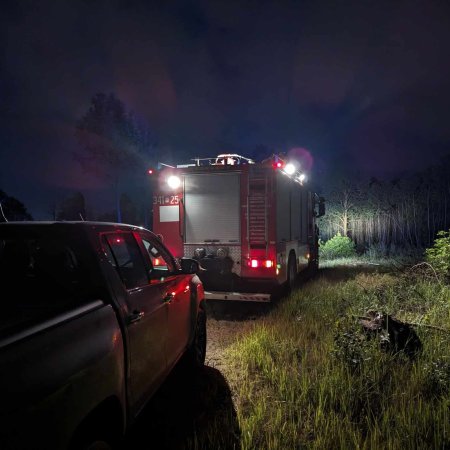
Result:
pixel 240 296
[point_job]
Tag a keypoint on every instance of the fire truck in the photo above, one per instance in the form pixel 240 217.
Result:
pixel 252 226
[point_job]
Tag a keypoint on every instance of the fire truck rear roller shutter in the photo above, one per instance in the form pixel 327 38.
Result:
pixel 212 203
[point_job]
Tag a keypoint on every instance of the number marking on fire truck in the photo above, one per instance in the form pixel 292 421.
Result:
pixel 162 200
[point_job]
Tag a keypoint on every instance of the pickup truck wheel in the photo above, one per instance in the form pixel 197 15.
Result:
pixel 98 445
pixel 93 439
pixel 197 351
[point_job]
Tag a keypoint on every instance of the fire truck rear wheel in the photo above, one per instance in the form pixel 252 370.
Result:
pixel 292 272
pixel 314 265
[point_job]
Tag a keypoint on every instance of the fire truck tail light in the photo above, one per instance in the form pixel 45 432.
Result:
pixel 255 263
pixel 156 262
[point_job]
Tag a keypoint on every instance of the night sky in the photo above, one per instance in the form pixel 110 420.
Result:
pixel 359 86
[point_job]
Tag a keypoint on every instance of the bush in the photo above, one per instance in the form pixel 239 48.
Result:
pixel 337 247
pixel 439 255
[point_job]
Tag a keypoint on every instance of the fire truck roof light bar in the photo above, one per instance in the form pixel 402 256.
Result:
pixel 289 168
pixel 223 159
pixel 166 165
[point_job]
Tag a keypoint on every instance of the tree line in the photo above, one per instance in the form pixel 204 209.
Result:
pixel 12 209
pixel 401 213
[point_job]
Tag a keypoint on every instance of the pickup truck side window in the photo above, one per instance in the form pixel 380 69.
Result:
pixel 161 263
pixel 124 254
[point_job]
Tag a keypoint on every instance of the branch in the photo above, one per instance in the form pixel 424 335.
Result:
pixel 430 266
pixel 414 324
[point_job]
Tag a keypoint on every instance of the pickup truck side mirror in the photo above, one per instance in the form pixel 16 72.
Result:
pixel 189 265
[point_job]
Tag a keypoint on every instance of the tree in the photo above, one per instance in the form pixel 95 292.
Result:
pixel 342 201
pixel 72 208
pixel 12 209
pixel 112 142
pixel 439 254
pixel 129 209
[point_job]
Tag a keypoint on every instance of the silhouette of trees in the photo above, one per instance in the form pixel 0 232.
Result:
pixel 13 209
pixel 391 214
pixel 113 143
pixel 72 208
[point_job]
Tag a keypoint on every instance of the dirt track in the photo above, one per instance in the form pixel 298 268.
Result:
pixel 226 323
pixel 188 404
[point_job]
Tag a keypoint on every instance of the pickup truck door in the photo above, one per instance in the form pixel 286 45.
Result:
pixel 146 319
pixel 175 290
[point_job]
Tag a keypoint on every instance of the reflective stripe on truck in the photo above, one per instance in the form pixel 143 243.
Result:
pixel 241 296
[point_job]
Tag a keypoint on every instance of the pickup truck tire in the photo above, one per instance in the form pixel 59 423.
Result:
pixel 99 431
pixel 196 353
pixel 91 439
pixel 98 445
pixel 91 442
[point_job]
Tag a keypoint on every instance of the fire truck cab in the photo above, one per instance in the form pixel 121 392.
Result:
pixel 252 226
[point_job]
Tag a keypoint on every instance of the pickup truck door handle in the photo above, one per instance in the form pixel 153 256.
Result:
pixel 135 316
pixel 168 298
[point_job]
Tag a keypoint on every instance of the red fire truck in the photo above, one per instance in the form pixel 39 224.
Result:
pixel 252 226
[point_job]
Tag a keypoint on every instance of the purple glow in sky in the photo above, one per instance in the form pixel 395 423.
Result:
pixel 363 86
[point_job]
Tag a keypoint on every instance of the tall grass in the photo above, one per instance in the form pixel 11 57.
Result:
pixel 308 377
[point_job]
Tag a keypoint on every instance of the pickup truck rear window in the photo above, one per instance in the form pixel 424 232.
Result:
pixel 41 277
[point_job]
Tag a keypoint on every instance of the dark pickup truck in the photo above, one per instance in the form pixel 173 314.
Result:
pixel 93 318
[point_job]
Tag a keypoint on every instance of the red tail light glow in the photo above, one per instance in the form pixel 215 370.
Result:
pixel 255 263
pixel 156 262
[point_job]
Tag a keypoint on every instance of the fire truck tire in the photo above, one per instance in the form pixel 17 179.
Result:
pixel 292 272
pixel 196 353
pixel 314 265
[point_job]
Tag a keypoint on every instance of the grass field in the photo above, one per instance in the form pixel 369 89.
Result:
pixel 307 376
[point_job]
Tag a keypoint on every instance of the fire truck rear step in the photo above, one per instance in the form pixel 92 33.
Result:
pixel 240 296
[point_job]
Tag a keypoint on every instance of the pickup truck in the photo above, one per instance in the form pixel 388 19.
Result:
pixel 93 318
